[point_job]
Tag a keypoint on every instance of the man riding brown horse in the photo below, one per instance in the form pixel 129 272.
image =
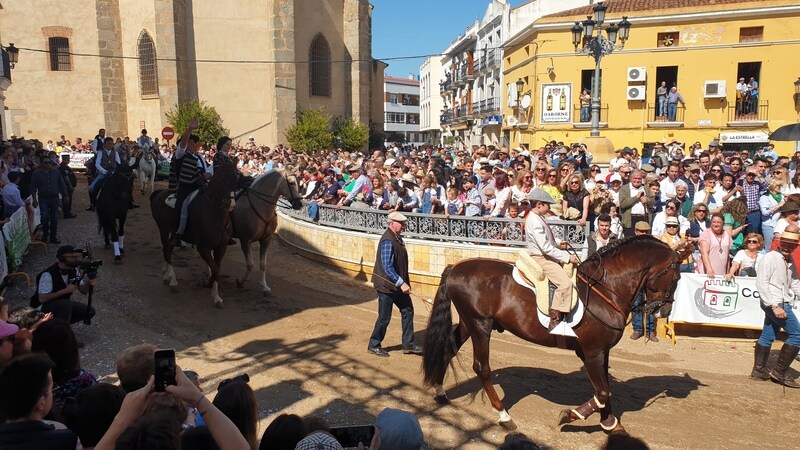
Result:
pixel 191 174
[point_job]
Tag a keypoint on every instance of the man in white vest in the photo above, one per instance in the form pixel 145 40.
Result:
pixel 545 250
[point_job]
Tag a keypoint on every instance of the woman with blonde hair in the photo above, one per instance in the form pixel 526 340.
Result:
pixel 540 171
pixel 523 187
pixel 745 263
pixel 576 196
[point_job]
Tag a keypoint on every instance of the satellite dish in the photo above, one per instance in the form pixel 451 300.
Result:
pixel 526 101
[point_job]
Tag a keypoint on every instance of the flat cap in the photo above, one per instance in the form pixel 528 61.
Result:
pixel 395 216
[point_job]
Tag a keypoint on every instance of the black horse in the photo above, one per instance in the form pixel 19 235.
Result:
pixel 112 208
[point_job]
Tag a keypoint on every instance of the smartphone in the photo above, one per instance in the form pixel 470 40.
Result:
pixel 164 369
pixel 351 436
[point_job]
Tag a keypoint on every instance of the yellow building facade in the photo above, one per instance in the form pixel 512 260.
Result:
pixel 701 47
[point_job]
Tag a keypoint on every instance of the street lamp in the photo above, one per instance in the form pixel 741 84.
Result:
pixel 520 85
pixel 590 32
pixel 13 54
pixel 797 93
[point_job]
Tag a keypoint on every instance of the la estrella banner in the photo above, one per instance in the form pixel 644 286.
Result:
pixel 714 301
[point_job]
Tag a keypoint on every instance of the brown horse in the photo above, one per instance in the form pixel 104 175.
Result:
pixel 254 218
pixel 487 298
pixel 208 225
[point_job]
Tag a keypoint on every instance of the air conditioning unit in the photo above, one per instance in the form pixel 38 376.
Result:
pixel 637 74
pixel 714 89
pixel 511 121
pixel 636 93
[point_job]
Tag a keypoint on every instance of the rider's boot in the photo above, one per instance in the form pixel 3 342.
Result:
pixel 555 318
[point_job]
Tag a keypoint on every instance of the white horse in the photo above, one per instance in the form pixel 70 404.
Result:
pixel 147 169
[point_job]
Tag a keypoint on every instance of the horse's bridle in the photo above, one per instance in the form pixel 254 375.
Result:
pixel 652 305
pixel 273 199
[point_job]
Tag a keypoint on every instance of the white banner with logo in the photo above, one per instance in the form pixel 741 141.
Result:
pixel 701 300
pixel 556 103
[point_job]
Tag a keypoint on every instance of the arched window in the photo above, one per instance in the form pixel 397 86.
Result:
pixel 319 67
pixel 148 70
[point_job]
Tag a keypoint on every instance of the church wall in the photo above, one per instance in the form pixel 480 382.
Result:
pixel 137 16
pixel 45 104
pixel 326 17
pixel 243 94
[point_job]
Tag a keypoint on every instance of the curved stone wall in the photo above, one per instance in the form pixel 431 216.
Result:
pixel 354 252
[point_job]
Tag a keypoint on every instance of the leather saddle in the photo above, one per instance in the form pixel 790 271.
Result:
pixel 529 274
pixel 173 198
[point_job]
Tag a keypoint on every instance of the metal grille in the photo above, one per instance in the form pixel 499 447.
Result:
pixel 319 68
pixel 59 53
pixel 148 69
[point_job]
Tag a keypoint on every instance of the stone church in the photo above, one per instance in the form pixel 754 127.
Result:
pixel 123 64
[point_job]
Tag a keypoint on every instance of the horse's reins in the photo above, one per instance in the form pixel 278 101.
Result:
pixel 272 199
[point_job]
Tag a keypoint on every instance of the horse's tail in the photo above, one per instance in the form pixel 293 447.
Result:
pixel 440 346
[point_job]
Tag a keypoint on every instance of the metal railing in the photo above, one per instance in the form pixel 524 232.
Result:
pixel 576 114
pixel 446 117
pixel 656 116
pixel 748 112
pixel 455 229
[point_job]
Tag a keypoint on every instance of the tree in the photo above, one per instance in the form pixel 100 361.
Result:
pixel 353 135
pixel 209 123
pixel 311 132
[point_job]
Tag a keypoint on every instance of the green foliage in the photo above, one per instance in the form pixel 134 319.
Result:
pixel 311 132
pixel 353 135
pixel 449 140
pixel 209 123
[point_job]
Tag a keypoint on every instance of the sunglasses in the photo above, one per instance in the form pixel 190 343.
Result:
pixel 564 170
pixel 670 207
pixel 594 170
pixel 540 170
pixel 702 210
pixel 527 177
pixel 672 226
pixel 626 172
pixel 752 241
pixel 553 175
pixel 575 182
pixel 716 170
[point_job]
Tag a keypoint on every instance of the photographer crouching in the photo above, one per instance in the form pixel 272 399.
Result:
pixel 74 271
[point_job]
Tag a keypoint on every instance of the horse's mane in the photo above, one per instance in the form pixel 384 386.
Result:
pixel 622 243
pixel 269 177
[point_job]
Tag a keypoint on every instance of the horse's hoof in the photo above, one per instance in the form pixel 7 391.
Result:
pixel 442 399
pixel 219 304
pixel 565 417
pixel 509 425
pixel 612 425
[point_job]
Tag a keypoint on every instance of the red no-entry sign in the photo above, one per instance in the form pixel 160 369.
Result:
pixel 168 133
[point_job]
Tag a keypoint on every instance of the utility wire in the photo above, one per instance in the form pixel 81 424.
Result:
pixel 393 58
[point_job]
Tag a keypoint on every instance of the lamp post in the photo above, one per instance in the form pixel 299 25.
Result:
pixel 797 93
pixel 13 54
pixel 588 39
pixel 520 85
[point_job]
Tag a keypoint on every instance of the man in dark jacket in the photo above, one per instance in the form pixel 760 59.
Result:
pixel 390 278
pixel 48 184
pixel 56 284
pixel 70 181
pixel 26 397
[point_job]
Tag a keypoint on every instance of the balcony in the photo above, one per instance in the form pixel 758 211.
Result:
pixel 492 59
pixel 478 65
pixel 664 121
pixel 478 107
pixel 443 87
pixel 586 122
pixel 446 118
pixel 747 114
pixel 493 105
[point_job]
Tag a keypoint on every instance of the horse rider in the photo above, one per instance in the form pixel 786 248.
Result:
pixel 545 251
pixel 224 145
pixel 106 161
pixel 191 172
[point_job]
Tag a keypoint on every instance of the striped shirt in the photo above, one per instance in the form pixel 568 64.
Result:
pixel 190 175
pixel 752 192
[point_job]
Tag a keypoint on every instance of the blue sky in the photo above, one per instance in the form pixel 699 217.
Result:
pixel 420 27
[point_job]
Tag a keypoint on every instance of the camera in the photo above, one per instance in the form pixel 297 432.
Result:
pixel 88 265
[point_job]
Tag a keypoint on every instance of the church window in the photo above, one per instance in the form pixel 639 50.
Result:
pixel 148 69
pixel 58 48
pixel 319 68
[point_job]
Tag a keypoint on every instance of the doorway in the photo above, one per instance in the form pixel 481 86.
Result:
pixel 668 75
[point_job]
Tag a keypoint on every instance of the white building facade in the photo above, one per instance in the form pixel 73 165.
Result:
pixel 401 111
pixel 431 102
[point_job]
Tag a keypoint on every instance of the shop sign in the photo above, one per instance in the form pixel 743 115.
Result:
pixel 744 137
pixel 556 103
pixel 492 120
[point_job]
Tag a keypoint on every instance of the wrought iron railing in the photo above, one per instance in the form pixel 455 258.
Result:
pixel 576 114
pixel 657 116
pixel 456 229
pixel 748 111
pixel 492 105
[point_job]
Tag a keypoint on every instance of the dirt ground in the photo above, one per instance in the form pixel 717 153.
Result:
pixel 305 351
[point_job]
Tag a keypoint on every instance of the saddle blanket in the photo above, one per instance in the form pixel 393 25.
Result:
pixel 173 198
pixel 571 319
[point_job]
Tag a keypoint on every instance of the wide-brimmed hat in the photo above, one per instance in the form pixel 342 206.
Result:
pixel 539 195
pixel 642 226
pixel 408 178
pixel 395 216
pixel 648 168
pixel 671 221
pixel 788 236
pixel 789 206
pixel 354 168
pixel 389 162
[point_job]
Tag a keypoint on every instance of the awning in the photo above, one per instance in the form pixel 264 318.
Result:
pixel 744 137
pixel 458 127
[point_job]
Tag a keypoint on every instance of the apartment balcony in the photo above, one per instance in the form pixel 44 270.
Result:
pixel 493 105
pixel 478 107
pixel 493 59
pixel 585 120
pixel 658 119
pixel 446 118
pixel 478 65
pixel 748 114
pixel 443 87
